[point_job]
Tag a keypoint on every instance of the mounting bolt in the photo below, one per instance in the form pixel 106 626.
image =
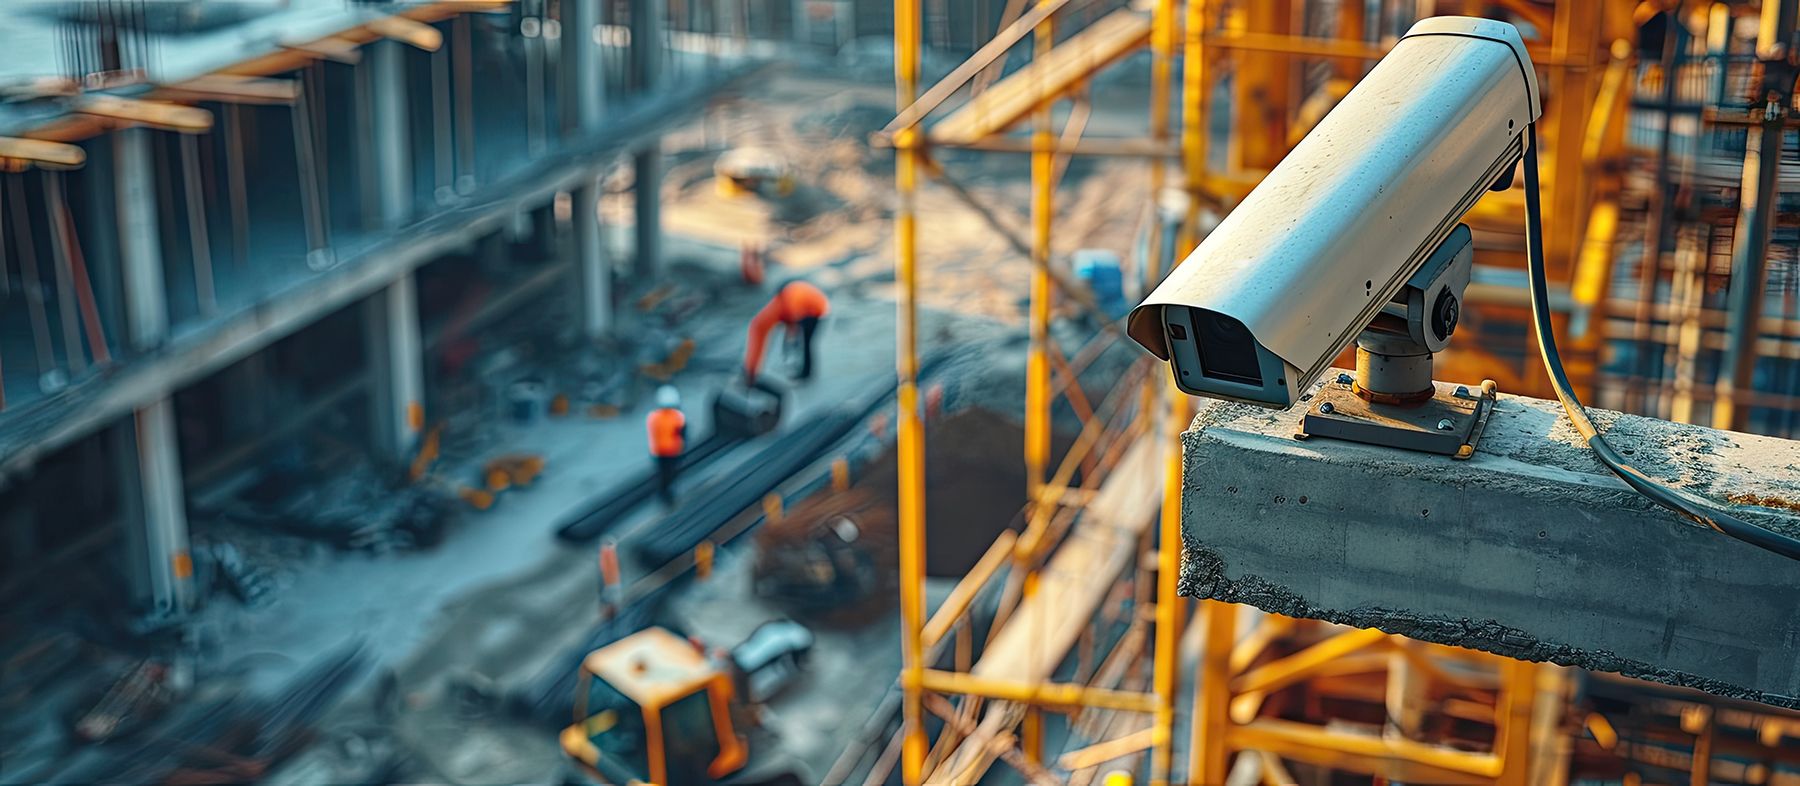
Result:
pixel 1446 425
pixel 1462 391
pixel 1326 408
pixel 1344 379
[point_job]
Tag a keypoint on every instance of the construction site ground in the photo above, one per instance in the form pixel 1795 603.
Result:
pixel 457 624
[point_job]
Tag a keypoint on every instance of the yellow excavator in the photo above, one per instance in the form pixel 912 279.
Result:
pixel 652 708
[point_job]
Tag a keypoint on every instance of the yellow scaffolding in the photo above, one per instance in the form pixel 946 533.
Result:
pixel 1257 41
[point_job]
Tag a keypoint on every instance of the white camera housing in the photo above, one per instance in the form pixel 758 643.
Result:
pixel 1290 278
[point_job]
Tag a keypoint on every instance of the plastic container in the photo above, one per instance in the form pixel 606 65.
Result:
pixel 1100 269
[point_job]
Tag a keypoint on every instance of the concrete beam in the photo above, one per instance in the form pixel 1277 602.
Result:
pixel 30 432
pixel 393 148
pixel 1531 549
pixel 648 176
pixel 594 294
pixel 395 357
pixel 170 567
pixel 140 240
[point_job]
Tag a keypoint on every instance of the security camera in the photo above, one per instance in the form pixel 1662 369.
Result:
pixel 1355 235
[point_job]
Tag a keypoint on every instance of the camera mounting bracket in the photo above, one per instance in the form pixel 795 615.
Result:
pixel 1449 422
pixel 1392 400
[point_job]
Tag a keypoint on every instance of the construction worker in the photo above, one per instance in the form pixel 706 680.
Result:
pixel 668 437
pixel 799 306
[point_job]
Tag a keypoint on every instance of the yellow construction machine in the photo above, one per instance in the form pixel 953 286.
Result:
pixel 652 708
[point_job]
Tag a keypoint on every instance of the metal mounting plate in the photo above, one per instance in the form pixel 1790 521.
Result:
pixel 1336 411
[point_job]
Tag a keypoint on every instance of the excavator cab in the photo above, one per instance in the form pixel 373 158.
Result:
pixel 650 708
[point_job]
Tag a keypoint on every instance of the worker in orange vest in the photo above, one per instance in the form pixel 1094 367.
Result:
pixel 668 437
pixel 799 306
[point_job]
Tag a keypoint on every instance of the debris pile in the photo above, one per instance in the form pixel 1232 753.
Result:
pixel 227 739
pixel 356 509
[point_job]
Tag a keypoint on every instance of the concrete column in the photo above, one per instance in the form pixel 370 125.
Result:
pixel 594 302
pixel 846 23
pixel 646 43
pixel 585 90
pixel 140 240
pixel 168 568
pixel 393 140
pixel 394 352
pixel 648 194
pixel 165 530
pixel 802 24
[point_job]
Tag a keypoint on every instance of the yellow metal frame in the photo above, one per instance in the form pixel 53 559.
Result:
pixel 1256 38
pixel 975 126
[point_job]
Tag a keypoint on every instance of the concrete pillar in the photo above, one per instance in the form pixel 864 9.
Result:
pixel 394 352
pixel 594 299
pixel 140 240
pixel 393 140
pixel 584 99
pixel 802 24
pixel 648 175
pixel 168 569
pixel 646 43
pixel 1530 549
pixel 846 22
pixel 165 530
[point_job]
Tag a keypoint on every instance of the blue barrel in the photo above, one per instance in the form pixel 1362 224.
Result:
pixel 1100 269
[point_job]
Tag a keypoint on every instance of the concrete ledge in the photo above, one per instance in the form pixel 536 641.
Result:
pixel 1531 549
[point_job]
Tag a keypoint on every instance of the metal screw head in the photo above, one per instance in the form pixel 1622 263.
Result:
pixel 1344 379
pixel 1446 425
pixel 1326 408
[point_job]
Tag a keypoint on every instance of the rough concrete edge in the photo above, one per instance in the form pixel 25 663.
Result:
pixel 1203 576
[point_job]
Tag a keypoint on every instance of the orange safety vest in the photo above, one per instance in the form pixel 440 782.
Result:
pixel 665 426
pixel 796 301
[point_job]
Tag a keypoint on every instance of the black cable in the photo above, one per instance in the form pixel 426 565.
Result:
pixel 1685 504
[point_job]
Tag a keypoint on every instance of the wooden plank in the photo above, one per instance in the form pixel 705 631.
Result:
pixel 38 151
pixel 418 34
pixel 1067 65
pixel 1103 752
pixel 234 89
pixel 1080 574
pixel 1071 586
pixel 336 48
pixel 174 117
pixel 989 52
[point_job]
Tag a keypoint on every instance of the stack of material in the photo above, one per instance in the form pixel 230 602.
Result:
pixel 722 499
pixel 234 740
pixel 624 498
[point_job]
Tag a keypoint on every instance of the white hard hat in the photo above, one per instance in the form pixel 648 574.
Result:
pixel 667 397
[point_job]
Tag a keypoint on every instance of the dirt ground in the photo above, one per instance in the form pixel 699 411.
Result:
pixel 836 226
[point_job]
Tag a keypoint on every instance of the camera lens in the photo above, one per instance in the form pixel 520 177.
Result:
pixel 1227 350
